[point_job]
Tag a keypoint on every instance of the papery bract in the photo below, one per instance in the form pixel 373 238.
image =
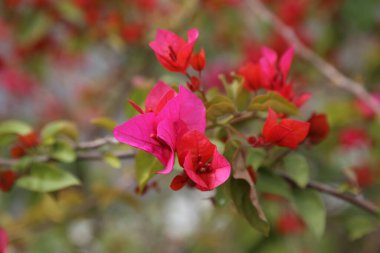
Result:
pixel 253 77
pixel 3 241
pixel 7 179
pixel 198 61
pixel 157 98
pixel 172 51
pixel 287 133
pixel 319 128
pixel 157 133
pixel 201 161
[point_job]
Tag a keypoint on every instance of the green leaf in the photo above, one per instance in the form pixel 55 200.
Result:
pixel 246 204
pixel 53 129
pixel 311 209
pixel 275 101
pixel 297 168
pixel 104 122
pixel 255 157
pixel 70 11
pixel 112 160
pixel 14 127
pixel 33 27
pixel 270 183
pixel 219 106
pixel 63 152
pixel 47 178
pixel 359 226
pixel 146 167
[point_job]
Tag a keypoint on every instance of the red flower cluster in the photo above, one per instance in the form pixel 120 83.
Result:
pixel 25 142
pixel 285 133
pixel 269 73
pixel 319 128
pixel 7 179
pixel 175 54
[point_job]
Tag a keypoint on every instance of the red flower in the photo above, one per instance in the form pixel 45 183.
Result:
pixel 366 110
pixel 290 223
pixel 354 137
pixel 29 140
pixel 364 176
pixel 17 151
pixel 253 76
pixel 172 51
pixel 287 133
pixel 319 128
pixel 198 61
pixel 202 162
pixel 194 83
pixel 7 179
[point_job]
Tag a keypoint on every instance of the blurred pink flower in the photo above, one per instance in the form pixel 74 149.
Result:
pixel 172 51
pixel 3 241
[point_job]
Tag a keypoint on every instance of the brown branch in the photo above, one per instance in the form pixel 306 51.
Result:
pixel 94 155
pixel 328 70
pixel 356 200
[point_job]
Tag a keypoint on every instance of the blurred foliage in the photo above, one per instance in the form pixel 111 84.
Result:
pixel 67 68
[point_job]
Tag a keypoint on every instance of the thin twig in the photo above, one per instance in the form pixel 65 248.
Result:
pixel 328 70
pixel 356 200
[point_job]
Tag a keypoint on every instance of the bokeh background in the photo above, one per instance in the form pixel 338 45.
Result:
pixel 82 59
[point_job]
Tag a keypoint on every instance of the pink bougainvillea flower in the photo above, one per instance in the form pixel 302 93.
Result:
pixel 157 133
pixel 286 133
pixel 173 52
pixel 201 161
pixel 319 128
pixel 3 241
pixel 157 98
pixel 7 179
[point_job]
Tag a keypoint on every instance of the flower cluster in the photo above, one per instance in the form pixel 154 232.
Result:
pixel 269 73
pixel 175 123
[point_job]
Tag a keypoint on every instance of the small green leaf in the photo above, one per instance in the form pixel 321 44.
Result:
pixel 112 160
pixel 247 206
pixel 47 178
pixel 359 226
pixel 14 127
pixel 104 122
pixel 270 183
pixel 219 106
pixel 33 26
pixel 297 168
pixel 146 167
pixel 255 157
pixel 63 152
pixel 23 163
pixel 275 101
pixel 70 11
pixel 311 209
pixel 53 129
